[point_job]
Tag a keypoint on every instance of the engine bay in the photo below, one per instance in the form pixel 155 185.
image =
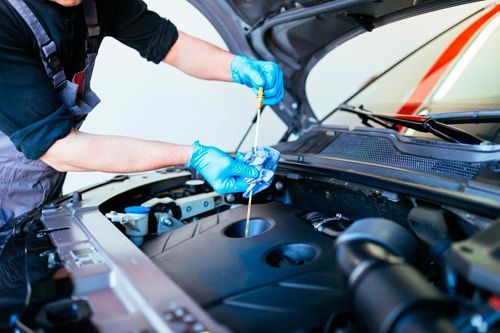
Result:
pixel 321 255
pixel 360 231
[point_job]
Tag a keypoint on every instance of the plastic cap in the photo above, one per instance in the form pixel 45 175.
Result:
pixel 137 210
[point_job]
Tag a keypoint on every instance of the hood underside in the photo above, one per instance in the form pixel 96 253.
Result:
pixel 297 34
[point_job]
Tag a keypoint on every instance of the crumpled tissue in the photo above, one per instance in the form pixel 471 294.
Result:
pixel 265 159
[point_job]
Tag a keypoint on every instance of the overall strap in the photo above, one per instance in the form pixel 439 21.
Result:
pixel 92 36
pixel 48 48
pixel 93 29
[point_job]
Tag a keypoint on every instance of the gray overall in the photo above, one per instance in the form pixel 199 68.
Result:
pixel 27 184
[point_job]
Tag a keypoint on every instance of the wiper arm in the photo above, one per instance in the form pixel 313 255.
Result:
pixel 365 116
pixel 426 124
pixel 469 117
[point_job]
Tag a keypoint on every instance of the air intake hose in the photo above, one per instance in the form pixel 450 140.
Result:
pixel 389 295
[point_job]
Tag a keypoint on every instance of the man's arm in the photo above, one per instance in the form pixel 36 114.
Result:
pixel 200 59
pixel 157 40
pixel 80 151
pixel 206 61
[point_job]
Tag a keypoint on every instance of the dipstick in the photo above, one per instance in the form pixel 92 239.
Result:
pixel 260 99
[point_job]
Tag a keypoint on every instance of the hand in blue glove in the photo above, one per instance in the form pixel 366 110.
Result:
pixel 255 74
pixel 223 173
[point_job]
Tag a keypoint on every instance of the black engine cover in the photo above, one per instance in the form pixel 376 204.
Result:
pixel 281 280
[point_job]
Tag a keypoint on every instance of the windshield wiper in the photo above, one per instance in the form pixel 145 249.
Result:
pixel 469 117
pixel 435 124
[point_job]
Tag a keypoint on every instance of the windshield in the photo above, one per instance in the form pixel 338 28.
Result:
pixel 457 71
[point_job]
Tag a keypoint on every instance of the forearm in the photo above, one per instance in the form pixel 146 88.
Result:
pixel 81 151
pixel 200 59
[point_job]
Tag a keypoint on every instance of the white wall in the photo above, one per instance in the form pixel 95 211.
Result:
pixel 150 101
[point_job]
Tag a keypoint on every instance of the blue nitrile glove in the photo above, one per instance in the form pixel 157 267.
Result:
pixel 255 74
pixel 223 173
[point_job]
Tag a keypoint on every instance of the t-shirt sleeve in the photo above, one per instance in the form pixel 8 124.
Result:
pixel 136 26
pixel 31 112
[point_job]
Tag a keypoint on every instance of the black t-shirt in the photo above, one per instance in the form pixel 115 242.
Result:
pixel 31 111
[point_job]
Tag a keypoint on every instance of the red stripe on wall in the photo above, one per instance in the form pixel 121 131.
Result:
pixel 434 75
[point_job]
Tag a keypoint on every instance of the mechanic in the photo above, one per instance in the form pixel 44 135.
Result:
pixel 47 54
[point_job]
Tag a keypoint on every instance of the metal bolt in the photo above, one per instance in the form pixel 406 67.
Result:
pixel 295 105
pixel 166 220
pixel 198 327
pixel 188 318
pixel 189 208
pixel 205 204
pixel 230 197
pixel 52 260
pixel 179 312
pixel 478 322
pixel 279 186
pixel 168 316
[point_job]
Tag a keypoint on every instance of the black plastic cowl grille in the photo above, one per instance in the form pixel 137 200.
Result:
pixel 381 151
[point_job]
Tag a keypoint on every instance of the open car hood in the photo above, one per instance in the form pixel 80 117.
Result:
pixel 297 34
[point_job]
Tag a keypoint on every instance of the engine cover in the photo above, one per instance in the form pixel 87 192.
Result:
pixel 282 278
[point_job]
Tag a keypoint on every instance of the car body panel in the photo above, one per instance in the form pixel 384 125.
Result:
pixel 118 282
pixel 298 37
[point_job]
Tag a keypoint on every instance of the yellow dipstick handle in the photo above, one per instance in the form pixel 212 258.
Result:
pixel 260 100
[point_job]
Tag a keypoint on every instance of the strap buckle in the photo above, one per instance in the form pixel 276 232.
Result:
pixel 49 50
pixel 53 63
pixel 59 80
pixel 50 57
pixel 93 33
